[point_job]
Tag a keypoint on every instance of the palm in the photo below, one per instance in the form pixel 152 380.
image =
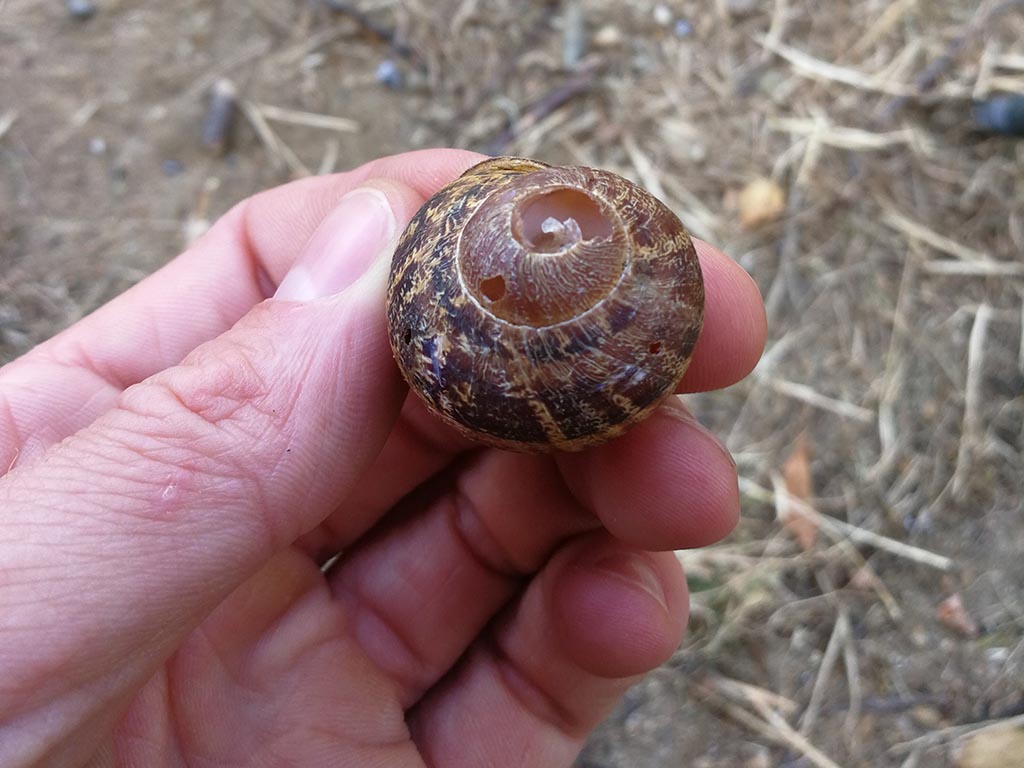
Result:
pixel 443 616
pixel 273 678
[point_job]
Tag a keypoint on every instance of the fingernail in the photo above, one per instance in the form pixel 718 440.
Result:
pixel 632 568
pixel 353 236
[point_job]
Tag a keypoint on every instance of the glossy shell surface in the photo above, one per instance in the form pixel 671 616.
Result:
pixel 540 308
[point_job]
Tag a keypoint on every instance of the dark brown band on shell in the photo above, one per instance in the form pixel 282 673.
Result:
pixel 556 337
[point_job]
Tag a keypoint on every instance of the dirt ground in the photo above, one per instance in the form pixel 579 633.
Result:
pixel 883 623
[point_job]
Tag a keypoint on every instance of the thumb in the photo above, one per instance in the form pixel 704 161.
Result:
pixel 126 535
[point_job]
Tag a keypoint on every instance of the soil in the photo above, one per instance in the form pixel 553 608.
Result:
pixel 893 349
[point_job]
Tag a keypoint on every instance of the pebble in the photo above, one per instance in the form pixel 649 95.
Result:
pixel 80 9
pixel 607 36
pixel 97 145
pixel 1001 114
pixel 997 655
pixel 663 15
pixel 389 74
pixel 219 119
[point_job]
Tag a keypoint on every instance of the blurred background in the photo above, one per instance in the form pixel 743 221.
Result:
pixel 863 161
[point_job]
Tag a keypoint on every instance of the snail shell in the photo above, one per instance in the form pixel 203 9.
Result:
pixel 540 308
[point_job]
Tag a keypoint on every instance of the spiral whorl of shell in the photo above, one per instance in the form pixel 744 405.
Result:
pixel 540 308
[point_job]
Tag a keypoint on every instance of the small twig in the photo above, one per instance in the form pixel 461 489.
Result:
pixel 777 25
pixel 917 231
pixel 893 372
pixel 838 528
pixel 280 151
pixel 737 689
pixel 843 137
pixel 307 119
pixel 973 269
pixel 828 662
pixel 852 667
pixel 808 395
pixel 954 732
pixel 738 714
pixel 816 69
pixel 970 435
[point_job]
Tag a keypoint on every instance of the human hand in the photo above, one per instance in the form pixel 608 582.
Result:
pixel 184 461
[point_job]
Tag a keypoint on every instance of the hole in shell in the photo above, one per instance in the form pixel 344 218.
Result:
pixel 654 347
pixel 493 288
pixel 407 336
pixel 552 221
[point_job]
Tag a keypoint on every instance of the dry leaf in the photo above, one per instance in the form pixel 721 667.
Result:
pixel 796 474
pixel 997 747
pixel 761 201
pixel 952 614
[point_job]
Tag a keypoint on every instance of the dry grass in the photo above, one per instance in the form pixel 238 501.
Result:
pixel 894 286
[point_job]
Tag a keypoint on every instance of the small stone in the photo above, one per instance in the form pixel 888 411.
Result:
pixel 172 167
pixel 607 36
pixel 682 28
pixel 219 120
pixel 1002 114
pixel 997 655
pixel 663 15
pixel 97 146
pixel 80 9
pixel 760 202
pixel 389 74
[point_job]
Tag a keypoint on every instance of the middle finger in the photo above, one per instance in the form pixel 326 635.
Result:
pixel 421 588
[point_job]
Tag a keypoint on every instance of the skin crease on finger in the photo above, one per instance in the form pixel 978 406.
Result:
pixel 672 475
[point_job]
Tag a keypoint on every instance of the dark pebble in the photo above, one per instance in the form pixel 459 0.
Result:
pixel 1001 114
pixel 682 28
pixel 80 9
pixel 219 121
pixel 389 74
